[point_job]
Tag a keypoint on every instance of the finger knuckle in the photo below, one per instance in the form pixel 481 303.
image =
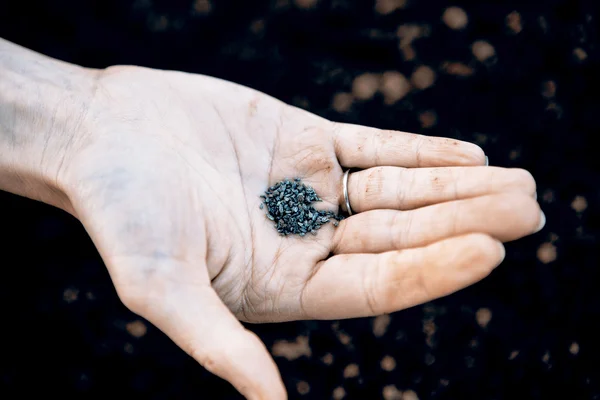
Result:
pixel 478 249
pixel 526 210
pixel 524 181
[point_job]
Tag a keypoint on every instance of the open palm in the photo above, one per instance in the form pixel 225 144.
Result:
pixel 166 178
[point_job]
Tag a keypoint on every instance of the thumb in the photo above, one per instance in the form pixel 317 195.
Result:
pixel 196 319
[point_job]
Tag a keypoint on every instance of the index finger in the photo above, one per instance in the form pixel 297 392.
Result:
pixel 359 146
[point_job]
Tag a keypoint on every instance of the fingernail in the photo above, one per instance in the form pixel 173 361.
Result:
pixel 542 222
pixel 503 252
pixel 487 161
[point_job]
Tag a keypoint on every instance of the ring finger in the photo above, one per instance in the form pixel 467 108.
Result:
pixel 408 188
pixel 505 217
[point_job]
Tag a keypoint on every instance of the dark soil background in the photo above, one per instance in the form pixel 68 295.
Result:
pixel 518 78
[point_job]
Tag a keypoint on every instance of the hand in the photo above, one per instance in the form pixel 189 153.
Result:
pixel 166 174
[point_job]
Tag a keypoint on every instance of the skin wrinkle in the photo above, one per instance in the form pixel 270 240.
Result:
pixel 370 286
pixel 249 262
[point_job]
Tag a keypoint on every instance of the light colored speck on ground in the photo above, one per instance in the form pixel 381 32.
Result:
pixel 128 348
pixel 546 357
pixel 344 338
pixel 385 7
pixel 457 69
pixel 388 363
pixel 428 119
pixel 483 316
pixel 303 387
pixel 483 50
pixel 339 393
pixel 409 395
pixel 546 253
pixel 70 295
pixel 513 22
pixel 513 354
pixel 365 86
pixel 202 7
pixel 136 328
pixel 327 359
pixel 423 77
pixel 580 54
pixel 391 392
pixel 574 348
pixel 549 89
pixel 455 18
pixel 579 204
pixel 380 325
pixel 306 3
pixel 351 371
pixel 393 86
pixel 342 102
pixel 292 350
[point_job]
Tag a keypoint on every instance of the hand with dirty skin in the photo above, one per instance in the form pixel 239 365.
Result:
pixel 165 170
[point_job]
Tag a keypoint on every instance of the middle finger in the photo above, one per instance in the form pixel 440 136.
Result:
pixel 505 217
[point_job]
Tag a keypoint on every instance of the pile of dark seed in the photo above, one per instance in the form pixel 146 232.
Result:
pixel 288 205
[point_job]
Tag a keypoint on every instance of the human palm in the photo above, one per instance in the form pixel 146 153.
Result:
pixel 166 178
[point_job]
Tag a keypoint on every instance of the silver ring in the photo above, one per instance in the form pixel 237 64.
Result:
pixel 345 189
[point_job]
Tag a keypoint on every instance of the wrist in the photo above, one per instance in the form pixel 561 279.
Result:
pixel 43 104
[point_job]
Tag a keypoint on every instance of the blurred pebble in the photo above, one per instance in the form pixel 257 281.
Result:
pixel 258 26
pixel 423 77
pixel 380 325
pixel 580 54
pixel 483 316
pixel 342 102
pixel 574 348
pixel 455 18
pixel 339 393
pixel 306 3
pixel 303 387
pixel 128 348
pixel 483 50
pixel 549 89
pixel 390 392
pixel 202 7
pixel 351 371
pixel 457 69
pixel 364 86
pixel 546 357
pixel 407 33
pixel 327 359
pixel 428 119
pixel 429 329
pixel 136 328
pixel 409 395
pixel 546 253
pixel 394 86
pixel 469 362
pixel 385 7
pixel 90 296
pixel 513 21
pixel 388 363
pixel 70 295
pixel 548 196
pixel 292 350
pixel 513 354
pixel 579 204
pixel 429 359
pixel 514 154
pixel 158 23
pixel 344 338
